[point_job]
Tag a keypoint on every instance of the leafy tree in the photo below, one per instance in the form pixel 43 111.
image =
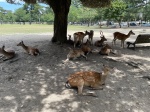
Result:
pixel 116 11
pixel 61 10
pixel 20 15
pixel 9 17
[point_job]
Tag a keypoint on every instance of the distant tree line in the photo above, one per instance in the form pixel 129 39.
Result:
pixel 118 11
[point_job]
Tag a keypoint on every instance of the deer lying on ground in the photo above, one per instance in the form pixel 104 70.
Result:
pixel 69 41
pixel 7 54
pixel 92 79
pixel 105 50
pixel 74 54
pixel 86 47
pixel 78 37
pixel 100 43
pixel 90 34
pixel 122 37
pixel 28 49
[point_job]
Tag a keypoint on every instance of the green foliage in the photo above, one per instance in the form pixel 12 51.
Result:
pixel 116 10
pixel 20 15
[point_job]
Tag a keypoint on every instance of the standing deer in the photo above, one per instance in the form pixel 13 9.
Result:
pixel 7 54
pixel 122 37
pixel 90 34
pixel 78 37
pixel 88 78
pixel 28 49
pixel 100 43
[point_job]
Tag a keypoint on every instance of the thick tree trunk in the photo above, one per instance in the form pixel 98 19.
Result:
pixel 61 10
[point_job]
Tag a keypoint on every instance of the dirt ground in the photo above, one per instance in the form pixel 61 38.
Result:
pixel 36 84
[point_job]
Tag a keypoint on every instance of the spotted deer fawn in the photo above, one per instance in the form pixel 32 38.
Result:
pixel 78 37
pixel 69 41
pixel 28 49
pixel 122 37
pixel 90 34
pixel 91 79
pixel 74 54
pixel 100 43
pixel 7 54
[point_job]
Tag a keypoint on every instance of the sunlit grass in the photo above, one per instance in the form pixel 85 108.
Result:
pixel 36 28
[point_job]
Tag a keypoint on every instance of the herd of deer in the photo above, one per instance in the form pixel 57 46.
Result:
pixel 93 79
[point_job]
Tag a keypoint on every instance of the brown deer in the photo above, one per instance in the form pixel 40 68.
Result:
pixel 90 34
pixel 69 41
pixel 122 37
pixel 9 54
pixel 100 43
pixel 28 49
pixel 74 54
pixel 86 47
pixel 105 50
pixel 78 37
pixel 92 79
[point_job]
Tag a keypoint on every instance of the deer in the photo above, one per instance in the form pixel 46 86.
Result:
pixel 78 37
pixel 105 50
pixel 28 49
pixel 69 41
pixel 100 43
pixel 86 47
pixel 92 79
pixel 9 54
pixel 122 37
pixel 74 54
pixel 90 35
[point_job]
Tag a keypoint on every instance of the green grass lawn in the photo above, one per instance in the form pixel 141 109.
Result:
pixel 36 28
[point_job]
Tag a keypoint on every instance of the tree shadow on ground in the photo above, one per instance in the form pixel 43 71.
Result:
pixel 37 84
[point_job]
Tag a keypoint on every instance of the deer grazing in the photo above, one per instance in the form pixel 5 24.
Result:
pixel 100 43
pixel 90 35
pixel 91 79
pixel 122 37
pixel 69 41
pixel 28 49
pixel 78 37
pixel 74 54
pixel 7 54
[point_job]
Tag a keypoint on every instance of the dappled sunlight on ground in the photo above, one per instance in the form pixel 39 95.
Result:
pixel 37 84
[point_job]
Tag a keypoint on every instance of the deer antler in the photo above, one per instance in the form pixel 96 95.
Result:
pixel 101 33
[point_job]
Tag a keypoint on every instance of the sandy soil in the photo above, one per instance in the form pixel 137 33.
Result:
pixel 36 84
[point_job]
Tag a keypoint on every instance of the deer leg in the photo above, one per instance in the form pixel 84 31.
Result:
pixel 123 43
pixel 114 41
pixel 97 88
pixel 5 59
pixel 92 41
pixel 80 86
pixel 84 56
pixel 2 56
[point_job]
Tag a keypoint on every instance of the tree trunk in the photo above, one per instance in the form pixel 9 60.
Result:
pixel 61 10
